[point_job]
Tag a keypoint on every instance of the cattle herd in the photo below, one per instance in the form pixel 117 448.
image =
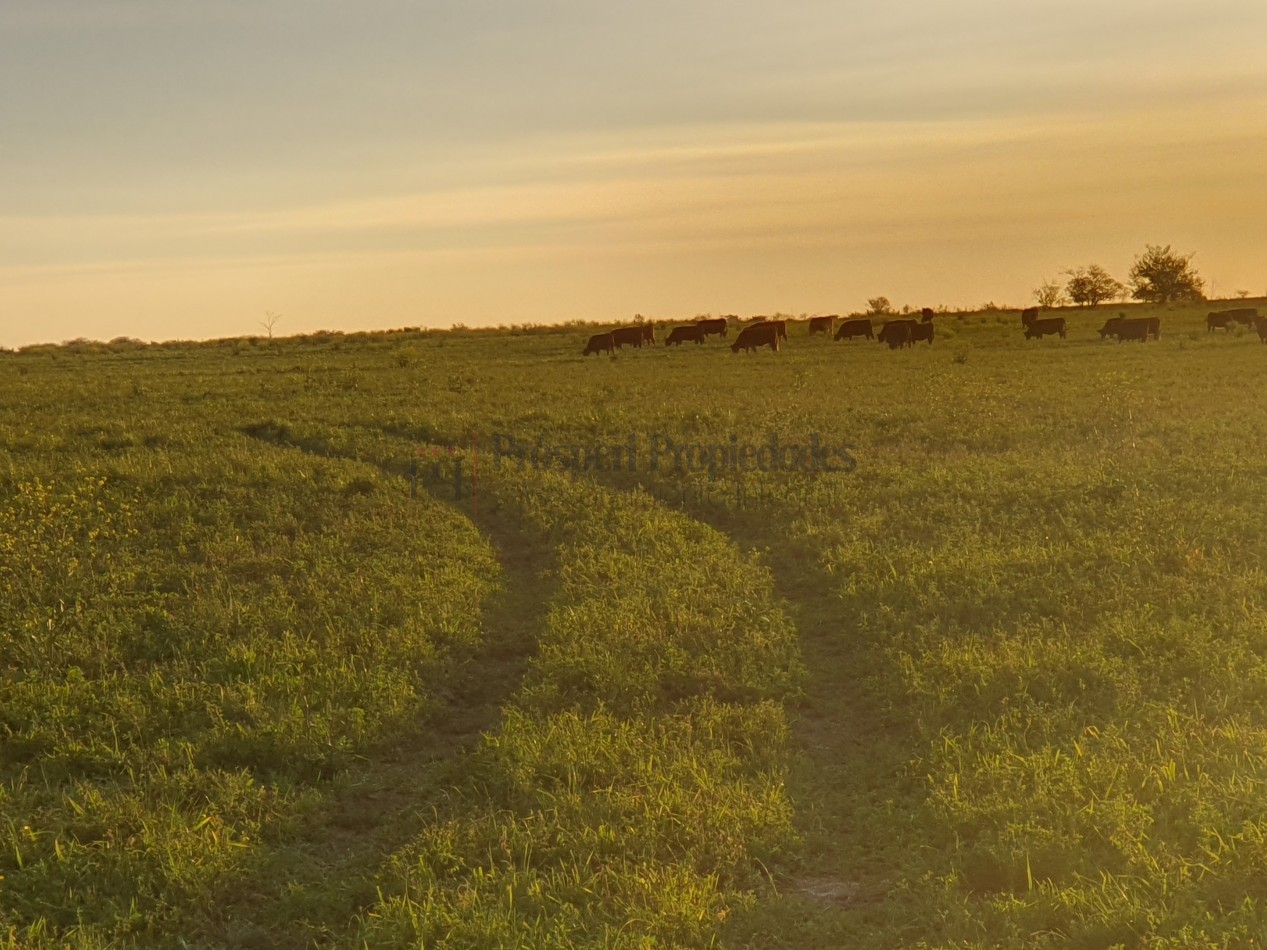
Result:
pixel 899 332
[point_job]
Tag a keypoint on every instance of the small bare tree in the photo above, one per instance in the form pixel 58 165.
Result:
pixel 1050 294
pixel 270 321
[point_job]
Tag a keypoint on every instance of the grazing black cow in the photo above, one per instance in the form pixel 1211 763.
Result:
pixel 922 331
pixel 634 336
pixel 599 343
pixel 678 335
pixel 858 326
pixel 898 333
pixel 756 335
pixel 1133 330
pixel 821 324
pixel 1225 318
pixel 718 327
pixel 1045 327
pixel 1111 325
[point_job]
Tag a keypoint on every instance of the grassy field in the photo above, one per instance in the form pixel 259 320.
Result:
pixel 288 660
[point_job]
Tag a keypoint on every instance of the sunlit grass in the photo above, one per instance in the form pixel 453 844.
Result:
pixel 219 605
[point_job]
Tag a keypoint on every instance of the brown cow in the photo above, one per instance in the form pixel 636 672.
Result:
pixel 857 326
pixel 756 335
pixel 1260 324
pixel 821 324
pixel 1044 327
pixel 1225 318
pixel 1137 329
pixel 898 333
pixel 719 327
pixel 1111 326
pixel 678 334
pixel 631 335
pixel 599 343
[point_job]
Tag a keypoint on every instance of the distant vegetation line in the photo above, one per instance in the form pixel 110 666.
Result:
pixel 325 336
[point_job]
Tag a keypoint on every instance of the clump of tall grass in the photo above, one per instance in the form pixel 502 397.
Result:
pixel 188 654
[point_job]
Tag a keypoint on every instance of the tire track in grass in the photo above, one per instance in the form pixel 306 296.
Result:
pixel 634 790
pixel 854 795
pixel 323 872
pixel 851 790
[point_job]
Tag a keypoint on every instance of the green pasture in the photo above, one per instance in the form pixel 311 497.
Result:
pixel 289 658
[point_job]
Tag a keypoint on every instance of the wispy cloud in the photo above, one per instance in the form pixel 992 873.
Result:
pixel 674 150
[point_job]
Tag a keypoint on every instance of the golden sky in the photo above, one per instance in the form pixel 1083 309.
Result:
pixel 176 169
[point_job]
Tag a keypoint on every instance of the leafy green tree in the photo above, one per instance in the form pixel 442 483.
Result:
pixel 1088 286
pixel 1160 276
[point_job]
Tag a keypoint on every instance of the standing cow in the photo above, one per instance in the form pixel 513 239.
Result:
pixel 1111 326
pixel 599 343
pixel 757 335
pixel 857 326
pixel 1035 327
pixel 1223 319
pixel 898 333
pixel 1132 330
pixel 821 324
pixel 678 335
pixel 720 326
pixel 633 336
